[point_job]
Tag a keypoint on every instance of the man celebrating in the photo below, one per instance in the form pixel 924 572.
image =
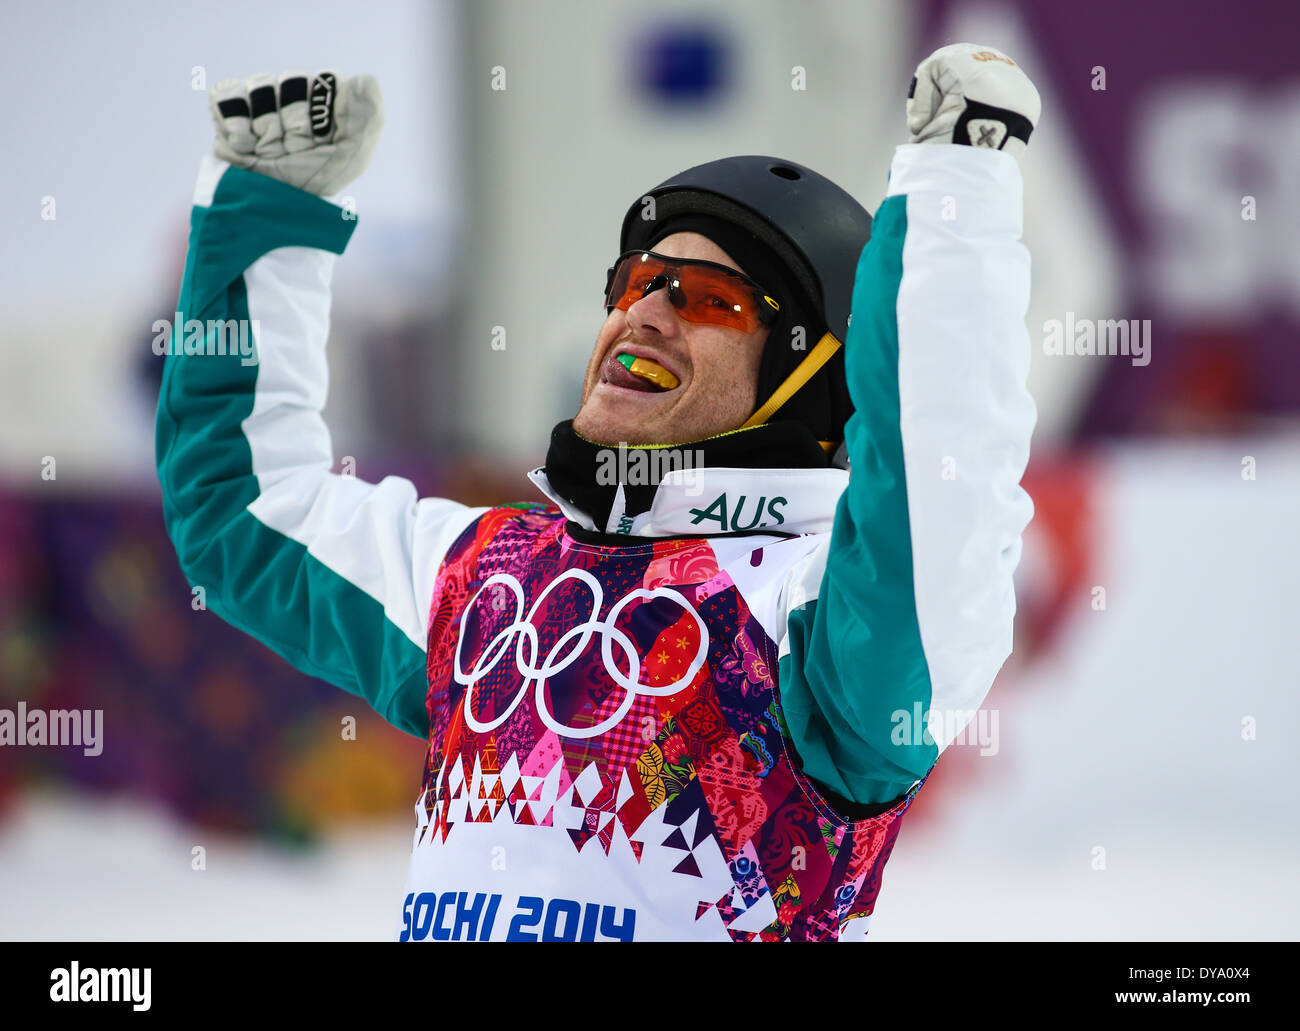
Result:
pixel 693 708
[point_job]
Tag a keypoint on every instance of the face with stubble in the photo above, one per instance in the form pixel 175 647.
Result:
pixel 716 368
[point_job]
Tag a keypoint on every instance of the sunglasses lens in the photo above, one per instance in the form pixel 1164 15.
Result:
pixel 700 293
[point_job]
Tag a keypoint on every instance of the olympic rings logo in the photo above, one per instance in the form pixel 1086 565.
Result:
pixel 523 633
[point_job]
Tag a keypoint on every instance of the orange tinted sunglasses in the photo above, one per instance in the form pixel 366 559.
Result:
pixel 701 291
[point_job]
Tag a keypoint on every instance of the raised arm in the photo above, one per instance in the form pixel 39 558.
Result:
pixel 332 573
pixel 908 608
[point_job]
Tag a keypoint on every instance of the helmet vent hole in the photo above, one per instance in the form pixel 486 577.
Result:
pixel 785 172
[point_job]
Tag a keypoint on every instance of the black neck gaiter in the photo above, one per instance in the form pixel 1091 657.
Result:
pixel 587 474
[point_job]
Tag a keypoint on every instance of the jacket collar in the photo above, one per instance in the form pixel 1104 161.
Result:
pixel 711 501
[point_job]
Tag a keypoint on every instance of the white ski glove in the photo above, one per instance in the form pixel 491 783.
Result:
pixel 973 95
pixel 315 132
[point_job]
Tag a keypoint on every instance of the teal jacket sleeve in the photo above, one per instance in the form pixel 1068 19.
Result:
pixel 899 623
pixel 333 573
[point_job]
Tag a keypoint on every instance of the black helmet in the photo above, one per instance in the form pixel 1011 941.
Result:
pixel 816 231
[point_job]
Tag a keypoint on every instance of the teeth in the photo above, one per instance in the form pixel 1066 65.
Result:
pixel 648 370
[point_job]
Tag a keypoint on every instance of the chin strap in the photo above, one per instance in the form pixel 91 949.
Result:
pixel 803 372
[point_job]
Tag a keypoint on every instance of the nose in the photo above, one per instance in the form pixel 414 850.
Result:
pixel 654 309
